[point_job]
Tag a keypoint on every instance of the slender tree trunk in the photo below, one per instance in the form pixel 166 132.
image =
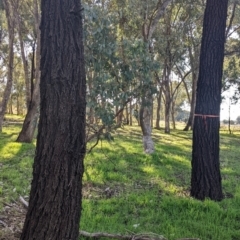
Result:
pixel 148 30
pixel 167 106
pixel 127 115
pixel 194 66
pixel 10 105
pixel 30 122
pixel 55 198
pixel 152 113
pixel 90 87
pixel 206 177
pixel 138 112
pixel 7 90
pixel 173 114
pixel 18 105
pixel 24 59
pixel 131 111
pixel 159 102
pixel 190 121
pixel 145 123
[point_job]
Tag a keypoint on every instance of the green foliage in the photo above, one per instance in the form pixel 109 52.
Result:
pixel 119 68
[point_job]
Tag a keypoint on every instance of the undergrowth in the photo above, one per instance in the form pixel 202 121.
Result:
pixel 126 191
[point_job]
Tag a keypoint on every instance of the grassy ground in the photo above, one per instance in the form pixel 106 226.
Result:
pixel 126 191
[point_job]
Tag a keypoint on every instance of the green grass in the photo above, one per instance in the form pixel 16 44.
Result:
pixel 126 191
pixel 16 161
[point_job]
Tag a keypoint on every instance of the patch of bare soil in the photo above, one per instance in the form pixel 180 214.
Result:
pixel 11 221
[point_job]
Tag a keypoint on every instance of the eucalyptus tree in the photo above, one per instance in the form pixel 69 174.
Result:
pixel 30 122
pixel 117 61
pixel 231 70
pixel 193 36
pixel 9 78
pixel 172 53
pixel 55 197
pixel 206 177
pixel 20 10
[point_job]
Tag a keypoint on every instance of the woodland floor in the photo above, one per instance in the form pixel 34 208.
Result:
pixel 126 191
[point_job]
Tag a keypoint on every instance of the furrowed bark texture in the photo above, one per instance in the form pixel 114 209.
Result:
pixel 206 177
pixel 55 197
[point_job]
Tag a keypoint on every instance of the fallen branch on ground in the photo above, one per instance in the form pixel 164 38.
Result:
pixel 150 236
pixel 147 236
pixel 23 201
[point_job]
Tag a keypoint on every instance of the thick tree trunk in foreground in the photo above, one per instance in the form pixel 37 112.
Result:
pixel 55 197
pixel 7 90
pixel 206 177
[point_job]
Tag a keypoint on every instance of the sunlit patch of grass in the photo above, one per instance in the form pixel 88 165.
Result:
pixel 155 189
pixel 16 161
pixel 10 150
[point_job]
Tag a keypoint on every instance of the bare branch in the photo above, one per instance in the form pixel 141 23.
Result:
pixel 231 20
pixel 160 12
pixel 23 201
pixel 99 132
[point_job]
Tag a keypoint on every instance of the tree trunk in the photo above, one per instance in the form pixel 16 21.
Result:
pixel 145 120
pixel 7 90
pixel 10 111
pixel 206 177
pixel 190 121
pixel 24 59
pixel 173 114
pixel 55 198
pixel 30 122
pixel 127 115
pixel 152 113
pixel 145 123
pixel 194 66
pixel 18 105
pixel 159 101
pixel 90 89
pixel 167 105
pixel 131 111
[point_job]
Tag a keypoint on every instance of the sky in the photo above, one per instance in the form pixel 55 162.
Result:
pixel 234 111
pixel 234 108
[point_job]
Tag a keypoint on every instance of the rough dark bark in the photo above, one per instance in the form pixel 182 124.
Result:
pixel 206 177
pixel 55 198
